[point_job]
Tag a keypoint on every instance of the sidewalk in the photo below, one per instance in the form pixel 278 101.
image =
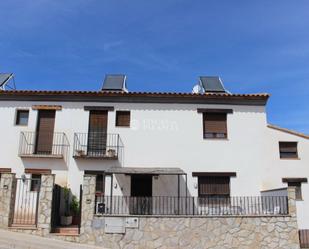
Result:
pixel 13 240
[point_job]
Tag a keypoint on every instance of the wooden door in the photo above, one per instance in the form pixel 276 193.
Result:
pixel 45 132
pixel 97 133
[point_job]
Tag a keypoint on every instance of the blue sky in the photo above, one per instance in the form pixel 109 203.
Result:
pixel 163 45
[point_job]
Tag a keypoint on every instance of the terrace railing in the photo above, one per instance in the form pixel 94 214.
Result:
pixel 34 144
pixel 166 205
pixel 97 145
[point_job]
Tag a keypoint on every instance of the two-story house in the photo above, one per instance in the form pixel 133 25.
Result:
pixel 208 143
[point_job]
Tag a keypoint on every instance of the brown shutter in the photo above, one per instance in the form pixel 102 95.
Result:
pixel 45 131
pixel 288 147
pixel 98 121
pixel 215 123
pixel 123 118
pixel 97 134
pixel 214 186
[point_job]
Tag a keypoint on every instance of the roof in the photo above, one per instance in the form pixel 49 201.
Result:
pixel 137 97
pixel 145 171
pixel 288 131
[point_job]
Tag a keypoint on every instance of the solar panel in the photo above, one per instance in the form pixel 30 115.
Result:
pixel 212 84
pixel 114 82
pixel 4 77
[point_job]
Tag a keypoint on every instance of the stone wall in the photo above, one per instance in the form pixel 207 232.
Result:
pixel 211 232
pixel 7 191
pixel 45 205
pixel 221 232
pixel 191 232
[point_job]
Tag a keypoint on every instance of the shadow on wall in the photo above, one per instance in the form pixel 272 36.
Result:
pixel 96 164
pixel 162 185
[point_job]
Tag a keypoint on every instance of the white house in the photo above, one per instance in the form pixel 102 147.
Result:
pixel 210 143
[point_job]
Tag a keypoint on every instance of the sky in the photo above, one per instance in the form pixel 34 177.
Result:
pixel 163 45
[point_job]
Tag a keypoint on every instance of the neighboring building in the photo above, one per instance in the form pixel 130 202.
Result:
pixel 210 143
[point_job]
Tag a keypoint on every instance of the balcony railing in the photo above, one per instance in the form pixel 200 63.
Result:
pixel 97 145
pixel 191 206
pixel 42 144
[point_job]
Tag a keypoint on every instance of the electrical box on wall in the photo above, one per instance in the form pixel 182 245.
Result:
pixel 114 225
pixel 132 222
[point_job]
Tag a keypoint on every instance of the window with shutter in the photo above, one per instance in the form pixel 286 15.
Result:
pixel 35 182
pixel 22 117
pixel 100 184
pixel 288 150
pixel 214 125
pixel 123 118
pixel 213 186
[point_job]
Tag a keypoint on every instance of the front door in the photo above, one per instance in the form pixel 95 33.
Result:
pixel 141 192
pixel 45 132
pixel 97 134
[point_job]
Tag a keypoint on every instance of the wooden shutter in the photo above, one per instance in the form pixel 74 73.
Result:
pixel 97 134
pixel 45 131
pixel 214 124
pixel 123 118
pixel 288 149
pixel 214 185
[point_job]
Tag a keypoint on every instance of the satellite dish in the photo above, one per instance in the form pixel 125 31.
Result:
pixel 197 89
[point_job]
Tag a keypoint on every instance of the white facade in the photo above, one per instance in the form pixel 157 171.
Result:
pixel 167 135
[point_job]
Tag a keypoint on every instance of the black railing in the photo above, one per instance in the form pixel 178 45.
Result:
pixel 43 144
pixel 97 145
pixel 166 205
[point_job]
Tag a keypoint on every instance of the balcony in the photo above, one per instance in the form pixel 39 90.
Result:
pixel 43 145
pixel 192 206
pixel 97 145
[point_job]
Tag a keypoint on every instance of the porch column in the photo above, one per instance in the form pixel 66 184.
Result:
pixel 7 194
pixel 294 236
pixel 88 202
pixel 292 201
pixel 45 204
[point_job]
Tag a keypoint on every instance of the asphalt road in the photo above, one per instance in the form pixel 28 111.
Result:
pixel 13 240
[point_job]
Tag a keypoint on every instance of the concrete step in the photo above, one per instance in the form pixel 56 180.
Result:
pixel 71 230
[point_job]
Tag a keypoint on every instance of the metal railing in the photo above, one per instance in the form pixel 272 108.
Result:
pixel 97 145
pixel 26 201
pixel 43 144
pixel 173 205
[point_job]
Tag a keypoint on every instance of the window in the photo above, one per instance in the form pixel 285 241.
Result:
pixel 100 184
pixel 123 118
pixel 214 125
pixel 35 182
pixel 213 186
pixel 22 117
pixel 298 192
pixel 288 150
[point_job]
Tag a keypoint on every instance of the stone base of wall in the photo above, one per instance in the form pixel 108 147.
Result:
pixel 211 232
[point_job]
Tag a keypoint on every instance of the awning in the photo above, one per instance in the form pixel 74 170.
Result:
pixel 145 171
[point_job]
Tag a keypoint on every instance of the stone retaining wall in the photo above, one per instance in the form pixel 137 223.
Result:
pixel 7 190
pixel 191 232
pixel 222 232
pixel 200 233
